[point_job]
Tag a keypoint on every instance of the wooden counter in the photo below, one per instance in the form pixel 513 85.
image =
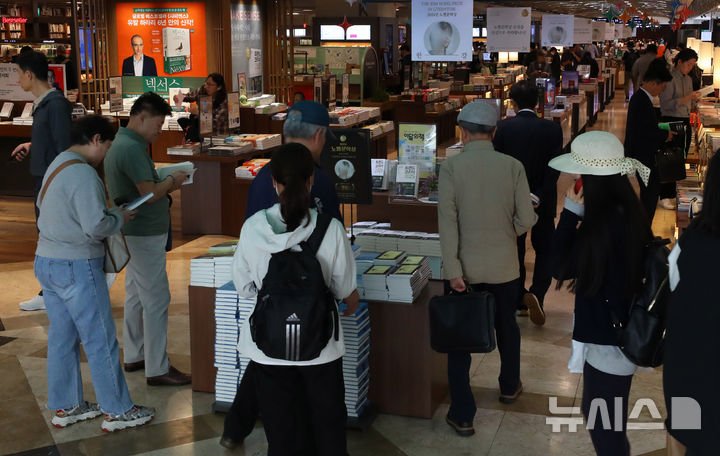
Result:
pixel 404 215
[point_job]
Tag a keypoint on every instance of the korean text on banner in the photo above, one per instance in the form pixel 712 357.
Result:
pixel 508 29
pixel 9 86
pixel 558 30
pixel 442 30
pixel 583 31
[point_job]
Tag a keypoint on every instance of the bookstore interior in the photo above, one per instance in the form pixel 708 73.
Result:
pixel 393 76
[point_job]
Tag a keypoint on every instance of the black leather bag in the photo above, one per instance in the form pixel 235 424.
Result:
pixel 670 161
pixel 642 337
pixel 463 322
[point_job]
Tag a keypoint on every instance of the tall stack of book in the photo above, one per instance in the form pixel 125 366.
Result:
pixel 202 271
pixel 406 282
pixel 356 362
pixel 223 269
pixel 374 283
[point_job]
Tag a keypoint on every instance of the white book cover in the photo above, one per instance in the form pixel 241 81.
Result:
pixel 176 49
pixel 407 180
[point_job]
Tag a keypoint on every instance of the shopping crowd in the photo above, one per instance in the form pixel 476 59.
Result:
pixel 293 253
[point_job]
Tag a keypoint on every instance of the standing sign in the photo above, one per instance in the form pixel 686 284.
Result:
pixel 583 31
pixel 233 110
pixel 116 95
pixel 508 29
pixel 558 30
pixel 205 109
pixel 347 160
pixel 442 30
pixel 317 89
pixel 417 145
pixel 255 72
pixel 345 89
pixel 242 84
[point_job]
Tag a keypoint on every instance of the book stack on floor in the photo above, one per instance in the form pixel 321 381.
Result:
pixel 202 271
pixel 251 168
pixel 356 362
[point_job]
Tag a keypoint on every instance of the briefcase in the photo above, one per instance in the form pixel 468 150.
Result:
pixel 463 322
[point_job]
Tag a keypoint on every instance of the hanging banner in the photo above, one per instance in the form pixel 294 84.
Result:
pixel 9 86
pixel 442 30
pixel 161 39
pixel 347 160
pixel 583 33
pixel 508 29
pixel 599 30
pixel 610 32
pixel 618 31
pixel 245 35
pixel 558 30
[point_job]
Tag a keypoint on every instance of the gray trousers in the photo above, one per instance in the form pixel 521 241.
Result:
pixel 147 298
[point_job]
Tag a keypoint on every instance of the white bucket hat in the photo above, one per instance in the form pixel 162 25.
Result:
pixel 599 153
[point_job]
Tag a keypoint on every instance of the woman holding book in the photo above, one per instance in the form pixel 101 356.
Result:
pixel 214 87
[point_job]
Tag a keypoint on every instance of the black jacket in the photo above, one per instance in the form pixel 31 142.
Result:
pixel 643 138
pixel 149 67
pixel 534 142
pixel 50 131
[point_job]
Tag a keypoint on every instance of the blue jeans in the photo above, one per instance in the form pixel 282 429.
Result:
pixel 78 307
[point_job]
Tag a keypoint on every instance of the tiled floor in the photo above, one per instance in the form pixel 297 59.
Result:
pixel 184 424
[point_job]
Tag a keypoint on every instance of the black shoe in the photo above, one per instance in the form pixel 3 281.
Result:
pixel 462 429
pixel 229 443
pixel 511 398
pixel 132 367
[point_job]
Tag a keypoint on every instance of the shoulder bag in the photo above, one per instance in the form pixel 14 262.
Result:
pixel 117 255
pixel 463 322
pixel 670 158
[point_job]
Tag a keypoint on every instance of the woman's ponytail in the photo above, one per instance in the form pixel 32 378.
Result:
pixel 292 166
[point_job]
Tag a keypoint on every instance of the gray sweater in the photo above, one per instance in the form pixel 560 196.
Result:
pixel 680 87
pixel 74 218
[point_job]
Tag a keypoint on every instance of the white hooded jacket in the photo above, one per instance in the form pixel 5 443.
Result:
pixel 265 233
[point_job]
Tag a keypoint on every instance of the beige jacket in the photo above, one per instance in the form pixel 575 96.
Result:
pixel 484 205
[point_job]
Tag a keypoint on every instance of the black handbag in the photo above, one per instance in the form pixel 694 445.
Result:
pixel 670 159
pixel 463 322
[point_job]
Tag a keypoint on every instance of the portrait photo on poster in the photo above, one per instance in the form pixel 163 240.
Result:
pixel 344 169
pixel 441 38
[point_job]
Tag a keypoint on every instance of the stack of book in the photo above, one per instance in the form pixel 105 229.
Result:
pixel 356 362
pixel 406 283
pixel 223 269
pixel 363 262
pixel 259 141
pixel 224 247
pixel 185 149
pixel 202 271
pixel 374 283
pixel 390 258
pixel 251 168
pixel 231 149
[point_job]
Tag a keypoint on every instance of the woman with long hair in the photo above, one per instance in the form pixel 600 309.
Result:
pixel 691 372
pixel 599 247
pixel 216 88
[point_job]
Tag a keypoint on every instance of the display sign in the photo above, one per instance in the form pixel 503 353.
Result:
pixel 9 86
pixel 57 77
pixel 558 30
pixel 345 89
pixel 347 160
pixel 255 72
pixel 242 84
pixel 442 30
pixel 332 92
pixel 161 39
pixel 583 32
pixel 332 33
pixel 599 30
pixel 233 110
pixel 205 114
pixel 417 145
pixel 358 33
pixel 116 93
pixel 245 35
pixel 317 89
pixel 508 29
pixel 134 87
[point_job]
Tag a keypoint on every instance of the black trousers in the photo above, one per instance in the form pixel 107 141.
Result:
pixel 240 419
pixel 649 194
pixel 462 402
pixel 669 190
pixel 541 239
pixel 281 391
pixel 607 387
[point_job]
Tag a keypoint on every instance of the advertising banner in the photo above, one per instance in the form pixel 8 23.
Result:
pixel 442 30
pixel 599 30
pixel 583 32
pixel 508 29
pixel 610 31
pixel 417 145
pixel 134 87
pixel 161 39
pixel 347 160
pixel 9 86
pixel 558 30
pixel 245 35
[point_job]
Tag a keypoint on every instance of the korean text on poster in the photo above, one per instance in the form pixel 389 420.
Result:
pixel 558 30
pixel 508 29
pixel 442 30
pixel 583 31
pixel 417 145
pixel 347 160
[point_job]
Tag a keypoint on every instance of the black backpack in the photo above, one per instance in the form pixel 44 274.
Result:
pixel 296 313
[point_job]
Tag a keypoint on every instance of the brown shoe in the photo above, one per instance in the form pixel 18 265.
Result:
pixel 132 367
pixel 173 378
pixel 510 398
pixel 537 314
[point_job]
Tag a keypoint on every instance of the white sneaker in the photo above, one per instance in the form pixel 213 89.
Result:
pixel 36 303
pixel 668 203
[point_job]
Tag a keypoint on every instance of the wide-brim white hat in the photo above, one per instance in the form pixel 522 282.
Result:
pixel 599 153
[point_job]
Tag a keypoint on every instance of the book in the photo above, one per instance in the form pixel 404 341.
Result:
pixel 407 181
pixel 176 49
pixel 164 171
pixel 6 111
pixel 379 174
pixel 390 258
pixel 185 149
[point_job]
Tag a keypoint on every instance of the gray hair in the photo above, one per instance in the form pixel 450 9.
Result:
pixel 476 129
pixel 294 127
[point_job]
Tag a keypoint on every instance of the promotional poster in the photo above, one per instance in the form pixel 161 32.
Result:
pixel 417 145
pixel 347 161
pixel 558 30
pixel 161 39
pixel 442 30
pixel 9 86
pixel 599 30
pixel 508 29
pixel 116 94
pixel 583 30
pixel 57 77
pixel 245 35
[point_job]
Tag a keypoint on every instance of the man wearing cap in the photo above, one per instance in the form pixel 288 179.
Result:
pixel 484 205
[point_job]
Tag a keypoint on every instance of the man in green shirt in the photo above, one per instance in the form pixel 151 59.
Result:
pixel 130 173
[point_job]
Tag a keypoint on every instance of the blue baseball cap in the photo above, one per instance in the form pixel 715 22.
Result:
pixel 313 113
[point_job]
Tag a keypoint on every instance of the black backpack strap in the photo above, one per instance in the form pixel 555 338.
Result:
pixel 318 234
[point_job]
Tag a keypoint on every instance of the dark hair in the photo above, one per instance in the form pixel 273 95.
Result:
pixel 84 128
pixel 609 199
pixel 476 129
pixel 657 72
pixel 684 55
pixel 302 95
pixel 586 59
pixel 524 94
pixel 445 26
pixel 222 89
pixel 34 62
pixel 709 218
pixel 292 165
pixel 405 47
pixel 651 48
pixel 151 103
pixel 26 49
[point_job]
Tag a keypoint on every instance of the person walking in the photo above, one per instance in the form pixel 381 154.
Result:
pixel 603 260
pixel 675 106
pixel 282 383
pixel 130 173
pixel 641 65
pixel 69 265
pixel 629 58
pixel 484 205
pixel 50 135
pixel 534 142
pixel 643 137
pixel 688 374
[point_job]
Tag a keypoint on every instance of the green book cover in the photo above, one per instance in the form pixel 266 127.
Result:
pixel 378 270
pixel 391 255
pixel 413 259
pixel 407 269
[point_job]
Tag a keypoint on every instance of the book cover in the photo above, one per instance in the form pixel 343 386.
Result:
pixel 391 255
pixel 406 182
pixel 176 49
pixel 379 174
pixel 378 270
pixel 407 269
pixel 414 259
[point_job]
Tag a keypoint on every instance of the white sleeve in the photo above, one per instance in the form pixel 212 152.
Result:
pixel 241 275
pixel 343 279
pixel 674 273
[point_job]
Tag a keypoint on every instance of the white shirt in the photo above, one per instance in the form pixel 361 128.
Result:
pixel 264 234
pixel 138 65
pixel 39 99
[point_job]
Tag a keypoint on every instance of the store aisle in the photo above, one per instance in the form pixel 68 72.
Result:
pixel 185 426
